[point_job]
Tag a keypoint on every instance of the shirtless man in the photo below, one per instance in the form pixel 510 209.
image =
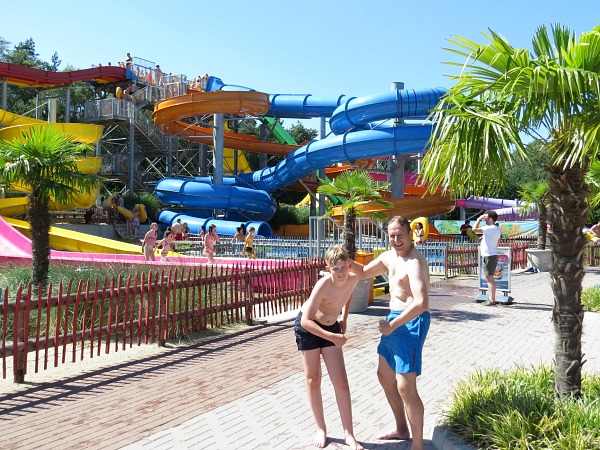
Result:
pixel 177 230
pixel 403 332
pixel 319 333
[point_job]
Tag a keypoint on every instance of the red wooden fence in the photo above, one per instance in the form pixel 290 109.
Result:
pixel 41 330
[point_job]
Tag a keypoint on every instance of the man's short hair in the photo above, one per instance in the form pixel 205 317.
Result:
pixel 335 254
pixel 402 221
pixel 492 215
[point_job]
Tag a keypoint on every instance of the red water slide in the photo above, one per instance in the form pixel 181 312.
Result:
pixel 23 76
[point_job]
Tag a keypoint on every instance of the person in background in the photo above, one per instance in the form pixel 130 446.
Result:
pixel 319 333
pixel 165 244
pixel 129 62
pixel 488 248
pixel 249 244
pixel 404 330
pixel 238 238
pixel 149 242
pixel 464 229
pixel 185 232
pixel 209 243
pixel 158 74
pixel 177 230
pixel 202 232
pixel 418 233
pixel 136 223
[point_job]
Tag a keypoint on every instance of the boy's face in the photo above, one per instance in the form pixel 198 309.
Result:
pixel 340 269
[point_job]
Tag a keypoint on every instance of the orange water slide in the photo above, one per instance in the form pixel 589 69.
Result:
pixel 169 115
pixel 411 206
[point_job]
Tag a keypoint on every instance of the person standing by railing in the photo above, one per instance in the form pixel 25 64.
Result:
pixel 209 243
pixel 249 244
pixel 149 242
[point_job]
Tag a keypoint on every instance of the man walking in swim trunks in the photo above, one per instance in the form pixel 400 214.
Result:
pixel 403 332
pixel 319 333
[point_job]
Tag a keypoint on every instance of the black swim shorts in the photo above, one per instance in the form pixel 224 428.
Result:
pixel 308 341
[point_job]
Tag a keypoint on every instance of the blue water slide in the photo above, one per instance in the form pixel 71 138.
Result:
pixel 224 227
pixel 349 118
pixel 199 197
pixel 351 146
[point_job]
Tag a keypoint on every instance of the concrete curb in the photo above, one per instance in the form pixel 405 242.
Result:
pixel 443 439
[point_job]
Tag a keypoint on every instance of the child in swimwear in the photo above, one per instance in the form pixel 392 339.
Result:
pixel 149 242
pixel 319 333
pixel 209 243
pixel 165 244
pixel 249 244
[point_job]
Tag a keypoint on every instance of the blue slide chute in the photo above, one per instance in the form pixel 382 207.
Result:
pixel 349 116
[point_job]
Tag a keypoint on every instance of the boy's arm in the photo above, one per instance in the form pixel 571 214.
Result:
pixel 346 308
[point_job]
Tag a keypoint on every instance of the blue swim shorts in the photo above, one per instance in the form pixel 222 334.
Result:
pixel 403 348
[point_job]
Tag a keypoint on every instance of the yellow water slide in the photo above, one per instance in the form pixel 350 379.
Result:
pixel 14 127
pixel 74 241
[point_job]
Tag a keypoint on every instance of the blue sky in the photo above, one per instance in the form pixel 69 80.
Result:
pixel 320 47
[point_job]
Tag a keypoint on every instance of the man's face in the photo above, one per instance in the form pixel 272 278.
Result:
pixel 400 239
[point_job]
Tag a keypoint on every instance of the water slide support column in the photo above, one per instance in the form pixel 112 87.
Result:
pixel 321 197
pixel 4 92
pixel 68 105
pixel 263 158
pixel 218 149
pixel 131 155
pixel 218 169
pixel 203 160
pixel 169 156
pixel 397 162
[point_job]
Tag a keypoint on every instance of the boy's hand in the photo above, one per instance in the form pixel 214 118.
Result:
pixel 339 340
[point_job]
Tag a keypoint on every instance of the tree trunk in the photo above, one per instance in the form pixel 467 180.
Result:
pixel 543 227
pixel 350 233
pixel 39 220
pixel 568 214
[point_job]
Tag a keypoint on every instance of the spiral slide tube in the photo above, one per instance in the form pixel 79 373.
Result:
pixel 347 114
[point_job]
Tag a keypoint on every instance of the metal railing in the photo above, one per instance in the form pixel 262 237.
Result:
pixel 325 231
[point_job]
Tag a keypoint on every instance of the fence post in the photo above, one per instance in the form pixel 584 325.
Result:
pixel 249 294
pixel 19 338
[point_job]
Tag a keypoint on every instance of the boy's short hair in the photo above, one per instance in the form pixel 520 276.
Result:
pixel 335 254
pixel 252 229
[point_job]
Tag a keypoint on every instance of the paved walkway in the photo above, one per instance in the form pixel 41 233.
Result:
pixel 245 390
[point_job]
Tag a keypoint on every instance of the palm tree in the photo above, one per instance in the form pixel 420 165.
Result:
pixel 358 188
pixel 45 160
pixel 535 196
pixel 503 95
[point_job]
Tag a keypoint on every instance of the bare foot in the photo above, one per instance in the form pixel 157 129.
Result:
pixel 320 439
pixel 353 443
pixel 395 435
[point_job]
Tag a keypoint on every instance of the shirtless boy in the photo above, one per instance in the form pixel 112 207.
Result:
pixel 403 332
pixel 319 333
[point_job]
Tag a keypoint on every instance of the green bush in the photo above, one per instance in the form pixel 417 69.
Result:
pixel 148 199
pixel 519 410
pixel 290 215
pixel 590 297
